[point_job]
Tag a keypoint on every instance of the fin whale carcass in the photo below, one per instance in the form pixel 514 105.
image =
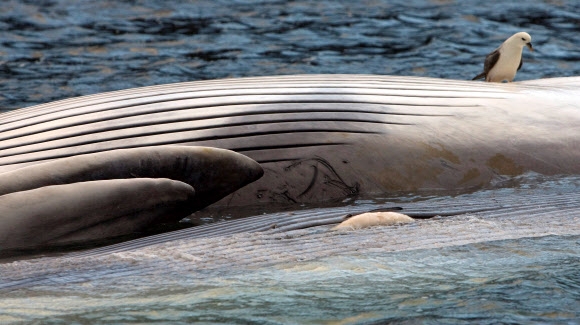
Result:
pixel 323 137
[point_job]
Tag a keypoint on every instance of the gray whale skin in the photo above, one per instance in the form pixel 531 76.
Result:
pixel 91 197
pixel 322 137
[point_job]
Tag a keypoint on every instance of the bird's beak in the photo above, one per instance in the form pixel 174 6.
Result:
pixel 529 45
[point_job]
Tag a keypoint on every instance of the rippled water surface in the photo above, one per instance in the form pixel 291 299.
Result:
pixel 55 49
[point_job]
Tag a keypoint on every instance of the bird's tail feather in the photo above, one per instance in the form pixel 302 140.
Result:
pixel 479 76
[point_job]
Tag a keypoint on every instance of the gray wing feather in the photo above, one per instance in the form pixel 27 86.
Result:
pixel 490 61
pixel 521 62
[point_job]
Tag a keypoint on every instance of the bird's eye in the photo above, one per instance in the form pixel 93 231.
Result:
pixel 523 39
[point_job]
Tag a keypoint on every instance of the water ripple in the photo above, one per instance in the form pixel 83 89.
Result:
pixel 57 49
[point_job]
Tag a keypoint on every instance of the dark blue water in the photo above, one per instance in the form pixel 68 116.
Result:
pixel 55 49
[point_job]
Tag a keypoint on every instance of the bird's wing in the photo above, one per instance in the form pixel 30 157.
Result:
pixel 521 62
pixel 490 60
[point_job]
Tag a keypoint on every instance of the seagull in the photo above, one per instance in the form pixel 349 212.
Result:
pixel 503 63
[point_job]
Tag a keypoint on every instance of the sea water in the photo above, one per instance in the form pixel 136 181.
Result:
pixel 57 49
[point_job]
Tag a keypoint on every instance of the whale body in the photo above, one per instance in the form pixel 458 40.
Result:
pixel 324 137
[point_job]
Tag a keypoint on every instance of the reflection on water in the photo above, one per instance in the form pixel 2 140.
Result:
pixel 511 281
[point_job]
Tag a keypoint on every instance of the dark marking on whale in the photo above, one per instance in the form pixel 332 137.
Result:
pixel 332 177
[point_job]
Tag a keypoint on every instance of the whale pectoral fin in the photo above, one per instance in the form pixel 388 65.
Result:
pixel 214 172
pixel 89 211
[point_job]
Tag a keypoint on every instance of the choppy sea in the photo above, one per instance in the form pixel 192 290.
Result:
pixel 55 49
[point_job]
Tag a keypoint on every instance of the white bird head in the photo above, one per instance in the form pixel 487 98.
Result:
pixel 520 39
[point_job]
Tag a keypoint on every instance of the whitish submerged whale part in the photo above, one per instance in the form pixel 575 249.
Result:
pixel 371 219
pixel 503 63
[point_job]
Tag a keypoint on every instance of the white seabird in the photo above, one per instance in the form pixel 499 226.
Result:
pixel 503 63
